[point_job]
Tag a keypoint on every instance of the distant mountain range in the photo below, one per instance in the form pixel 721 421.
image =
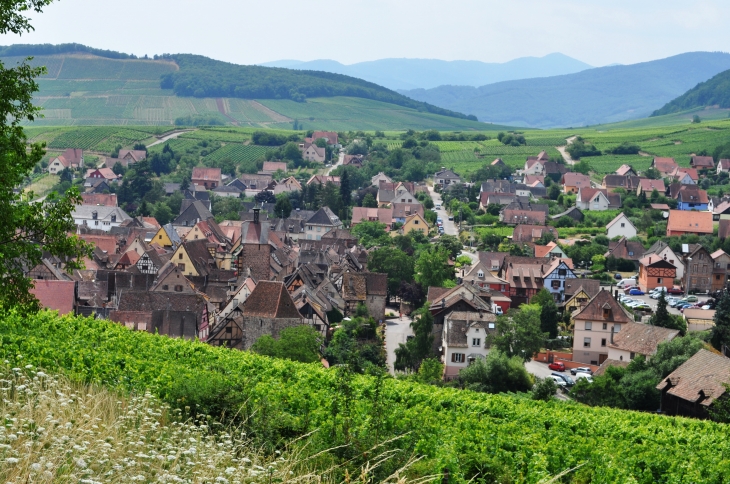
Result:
pixel 714 92
pixel 593 96
pixel 430 73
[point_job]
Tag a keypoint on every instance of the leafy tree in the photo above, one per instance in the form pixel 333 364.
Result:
pixel 431 371
pixel 369 201
pixel 519 332
pixel 371 233
pixel 283 207
pixel 396 264
pixel 721 331
pixel 356 344
pixel 264 196
pixel 670 355
pixel 66 176
pixel 451 244
pixel 432 267
pixel 297 343
pixel 162 213
pixel 28 229
pixel 549 317
pixel 662 317
pixel 497 373
pixel 544 389
pixel 345 190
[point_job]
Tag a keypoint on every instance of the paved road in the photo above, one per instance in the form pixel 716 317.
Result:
pixel 541 370
pixel 169 137
pixel 396 332
pixel 450 226
pixel 340 160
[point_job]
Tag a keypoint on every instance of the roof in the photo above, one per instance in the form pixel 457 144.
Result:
pixel 487 277
pixel 723 231
pixel 526 233
pixel 702 162
pixel 511 216
pixel 573 212
pixel 160 301
pixel 204 173
pixel 603 300
pixel 403 210
pixel 680 172
pixel 690 221
pixel 589 286
pixel 701 379
pixel 106 173
pixel 664 165
pixel 656 262
pixel 55 295
pixel 109 199
pixel 227 189
pixel 659 206
pixel 620 216
pixel 136 155
pixel 329 135
pixel 324 179
pixel 649 185
pixel 629 182
pixel 492 259
pixel 624 170
pixel 270 299
pixel 697 313
pixel 499 162
pixel 577 180
pixel 446 174
pixel 544 250
pixel 641 338
pixel 625 249
pixel 324 216
pixel 365 214
pixel 604 366
pixel 718 253
pixel 692 193
pixel 724 164
pixel 102 212
pixel 107 243
pixel 274 165
pixel 457 323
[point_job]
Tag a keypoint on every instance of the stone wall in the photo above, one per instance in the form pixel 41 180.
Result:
pixel 254 327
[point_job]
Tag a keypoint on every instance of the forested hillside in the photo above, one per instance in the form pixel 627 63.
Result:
pixel 714 92
pixel 594 96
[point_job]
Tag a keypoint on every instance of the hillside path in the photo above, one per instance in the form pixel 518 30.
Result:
pixel 340 160
pixel 169 137
pixel 564 153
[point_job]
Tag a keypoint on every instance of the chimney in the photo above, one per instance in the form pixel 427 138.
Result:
pixel 256 215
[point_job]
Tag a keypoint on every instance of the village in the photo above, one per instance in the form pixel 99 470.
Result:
pixel 230 282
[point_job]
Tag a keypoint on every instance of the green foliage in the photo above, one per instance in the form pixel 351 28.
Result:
pixel 432 268
pixel 519 332
pixel 395 263
pixel 412 353
pixel 661 317
pixel 544 389
pixel 713 92
pixel 497 373
pixel 370 234
pixel 625 148
pixel 283 207
pixel 721 331
pixel 297 343
pixel 549 317
pixel 278 400
pixel 356 344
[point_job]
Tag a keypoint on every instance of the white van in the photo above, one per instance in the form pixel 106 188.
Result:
pixel 580 375
pixel 437 206
pixel 624 282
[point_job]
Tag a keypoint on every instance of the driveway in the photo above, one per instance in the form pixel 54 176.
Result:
pixel 396 332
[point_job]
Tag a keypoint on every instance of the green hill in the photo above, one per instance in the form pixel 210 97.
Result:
pixel 352 418
pixel 86 86
pixel 714 92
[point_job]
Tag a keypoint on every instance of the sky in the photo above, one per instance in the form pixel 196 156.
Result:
pixel 598 32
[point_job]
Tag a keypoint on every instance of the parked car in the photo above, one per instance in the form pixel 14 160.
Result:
pixel 498 310
pixel 437 206
pixel 690 299
pixel 557 366
pixel 636 292
pixel 707 306
pixel 642 306
pixel 558 381
pixel 675 290
pixel 581 369
pixel 568 381
pixel 451 217
pixel 584 376
pixel 624 282
pixel 618 276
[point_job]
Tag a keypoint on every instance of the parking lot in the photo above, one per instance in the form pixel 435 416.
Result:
pixel 653 302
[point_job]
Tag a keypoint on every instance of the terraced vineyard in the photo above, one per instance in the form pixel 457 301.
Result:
pixel 92 138
pixel 238 153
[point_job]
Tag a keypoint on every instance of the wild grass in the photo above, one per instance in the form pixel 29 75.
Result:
pixel 55 430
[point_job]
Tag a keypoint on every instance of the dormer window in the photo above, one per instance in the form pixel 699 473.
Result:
pixel 114 218
pixel 606 313
pixel 94 215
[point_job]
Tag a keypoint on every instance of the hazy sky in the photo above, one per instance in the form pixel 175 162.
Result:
pixel 598 32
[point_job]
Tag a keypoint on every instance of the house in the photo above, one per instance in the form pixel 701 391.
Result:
pixel 385 197
pixel 56 295
pixel 97 186
pixel 702 162
pixel 100 174
pixel 107 199
pixel 493 260
pixel 689 222
pixel 72 158
pixel 401 211
pixel 365 214
pixel 597 199
pixel 497 162
pixel 723 230
pixel 252 252
pixel 194 258
pixel 323 180
pixel 720 207
pixel 178 315
pixel 535 165
pixel 167 237
pixel 532 233
pixel 573 182
pixel 320 223
pixel 368 288
pixel 555 170
pixel 129 157
pixel 209 178
pixel 99 217
pixel 578 292
pixel 554 279
pixel 515 217
pixel 480 275
pixel 380 177
pixel 620 226
pixel 329 136
pixel 723 166
pixel 192 214
pixel 691 389
pixel 638 339
pixel 625 249
pixel 655 271
pixel 465 339
pixel 692 197
pixel 549 251
pixel 698 269
pixel 524 275
pixel 445 178
pixel 647 185
pixel 271 167
pixel 594 325
pixel 626 182
pixel 720 269
pixel 464 297
pixel 534 180
pixel 150 262
pixel 686 176
pixel 353 160
pixel 312 152
pixel 414 222
pixel 663 251
pixel 288 185
pixel 572 212
pixel 665 166
pixel 625 170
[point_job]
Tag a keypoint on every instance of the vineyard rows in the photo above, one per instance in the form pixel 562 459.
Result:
pixel 100 138
pixel 238 153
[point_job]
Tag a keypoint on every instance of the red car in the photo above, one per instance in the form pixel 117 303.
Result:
pixel 675 290
pixel 557 366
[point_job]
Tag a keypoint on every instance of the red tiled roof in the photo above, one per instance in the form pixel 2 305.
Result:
pixel 202 173
pixel 689 221
pixel 520 216
pixel 270 299
pixel 664 165
pixel 329 135
pixel 701 379
pixel 107 199
pixel 702 162
pixel 107 243
pixel 365 214
pixel 577 180
pixel 55 295
pixel 679 173
pixel 624 169
pixel 649 185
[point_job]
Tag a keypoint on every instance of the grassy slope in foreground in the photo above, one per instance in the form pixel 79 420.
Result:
pixel 498 438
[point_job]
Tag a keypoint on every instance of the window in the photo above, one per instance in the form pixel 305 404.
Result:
pixel 603 342
pixel 178 288
pixel 491 325
pixel 555 284
pixel 114 218
pixel 632 355
pixel 606 313
pixel 181 267
pixel 589 326
pixel 476 341
pixel 179 256
pixel 605 326
pixel 562 272
pixel 96 222
pixel 164 287
pixel 457 358
pixel 631 253
pixel 586 342
pixel 159 237
pixel 623 225
pixel 480 273
pixel 229 330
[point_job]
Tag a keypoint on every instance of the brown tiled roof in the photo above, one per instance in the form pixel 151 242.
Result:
pixel 270 299
pixel 435 293
pixel 649 185
pixel 724 230
pixel 692 172
pixel 692 193
pixel 594 309
pixel 329 135
pixel 377 284
pixel 402 210
pixel 457 323
pixel 160 301
pixel 107 243
pixel 577 180
pixel 690 221
pixel 202 173
pixel 625 249
pixel 624 169
pixel 724 164
pixel 629 182
pixel 641 338
pixel 659 206
pixel 664 165
pixel 136 155
pixel 702 162
pixel 274 165
pixel 574 286
pixel 701 379
pixel 55 295
pixel 526 233
pixel 544 250
pixel 602 369
pixel 109 199
pixel 523 216
pixel 364 214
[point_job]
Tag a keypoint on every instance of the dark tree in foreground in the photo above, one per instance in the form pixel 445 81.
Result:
pixel 721 330
pixel 28 228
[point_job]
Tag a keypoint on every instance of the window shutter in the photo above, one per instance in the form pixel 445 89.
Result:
pixel 453 357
